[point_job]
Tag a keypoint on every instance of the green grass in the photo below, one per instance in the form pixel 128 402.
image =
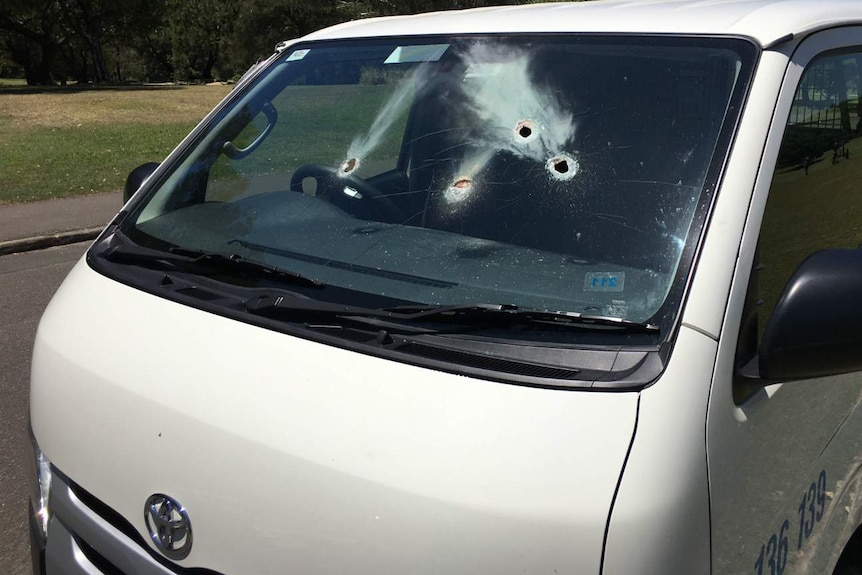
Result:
pixel 83 140
pixel 60 162
pixel 73 141
pixel 316 125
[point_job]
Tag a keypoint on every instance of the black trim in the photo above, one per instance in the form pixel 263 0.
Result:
pixel 668 316
pixel 37 543
pixel 97 559
pixel 541 364
pixel 617 487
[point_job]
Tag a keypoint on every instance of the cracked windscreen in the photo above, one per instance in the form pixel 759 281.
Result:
pixel 560 173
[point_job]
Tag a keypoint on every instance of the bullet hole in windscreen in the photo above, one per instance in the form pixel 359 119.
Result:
pixel 563 167
pixel 525 130
pixel 459 190
pixel 349 165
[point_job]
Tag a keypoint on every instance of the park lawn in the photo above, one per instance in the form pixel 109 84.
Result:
pixel 66 142
pixel 74 141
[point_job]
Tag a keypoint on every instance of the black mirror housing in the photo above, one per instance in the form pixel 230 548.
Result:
pixel 137 177
pixel 816 326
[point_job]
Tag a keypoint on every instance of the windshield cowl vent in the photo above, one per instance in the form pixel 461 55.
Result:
pixel 487 362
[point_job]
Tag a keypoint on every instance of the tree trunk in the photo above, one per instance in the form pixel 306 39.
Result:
pixel 37 70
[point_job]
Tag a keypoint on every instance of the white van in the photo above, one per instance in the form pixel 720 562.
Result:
pixel 544 289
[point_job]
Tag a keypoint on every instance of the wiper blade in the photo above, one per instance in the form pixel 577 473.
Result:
pixel 200 262
pixel 295 308
pixel 510 313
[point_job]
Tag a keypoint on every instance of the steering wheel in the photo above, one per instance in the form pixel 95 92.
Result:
pixel 348 189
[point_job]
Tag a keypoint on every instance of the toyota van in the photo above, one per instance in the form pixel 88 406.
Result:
pixel 549 289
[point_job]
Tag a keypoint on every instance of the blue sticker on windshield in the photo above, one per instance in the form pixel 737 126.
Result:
pixel 604 281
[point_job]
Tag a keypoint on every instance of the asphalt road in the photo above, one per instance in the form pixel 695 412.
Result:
pixel 27 282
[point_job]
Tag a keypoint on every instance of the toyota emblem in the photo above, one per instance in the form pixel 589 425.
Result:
pixel 169 526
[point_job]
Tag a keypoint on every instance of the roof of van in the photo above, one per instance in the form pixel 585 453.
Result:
pixel 763 20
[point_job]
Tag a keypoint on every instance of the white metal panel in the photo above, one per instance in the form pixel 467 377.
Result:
pixel 763 20
pixel 288 452
pixel 764 454
pixel 660 520
pixel 705 306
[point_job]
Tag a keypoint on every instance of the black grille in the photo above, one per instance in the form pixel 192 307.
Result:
pixel 123 525
pixel 97 559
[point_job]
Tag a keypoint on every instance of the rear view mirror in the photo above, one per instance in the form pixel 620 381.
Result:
pixel 137 177
pixel 816 326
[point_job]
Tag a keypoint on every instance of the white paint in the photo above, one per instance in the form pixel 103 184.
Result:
pixel 762 20
pixel 466 476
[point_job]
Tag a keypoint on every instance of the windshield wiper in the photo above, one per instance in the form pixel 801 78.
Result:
pixel 203 263
pixel 506 314
pixel 511 314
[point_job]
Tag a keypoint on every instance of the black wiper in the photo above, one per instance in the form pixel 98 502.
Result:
pixel 203 263
pixel 512 314
pixel 296 309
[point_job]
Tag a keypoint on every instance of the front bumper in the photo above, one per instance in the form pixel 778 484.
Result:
pixel 82 541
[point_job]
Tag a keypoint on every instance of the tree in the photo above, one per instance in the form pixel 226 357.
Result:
pixel 107 40
pixel 392 7
pixel 32 36
pixel 199 30
pixel 261 24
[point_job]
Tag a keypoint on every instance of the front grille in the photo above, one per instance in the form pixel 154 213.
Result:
pixel 110 551
pixel 96 558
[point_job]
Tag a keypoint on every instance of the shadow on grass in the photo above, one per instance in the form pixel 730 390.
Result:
pixel 798 167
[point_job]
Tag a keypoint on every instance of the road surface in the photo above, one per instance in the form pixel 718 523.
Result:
pixel 27 282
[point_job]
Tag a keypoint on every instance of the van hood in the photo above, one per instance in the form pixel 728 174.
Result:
pixel 286 452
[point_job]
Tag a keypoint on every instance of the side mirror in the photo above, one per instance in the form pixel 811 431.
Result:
pixel 137 177
pixel 816 326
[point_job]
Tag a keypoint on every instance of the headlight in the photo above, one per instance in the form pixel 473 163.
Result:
pixel 40 487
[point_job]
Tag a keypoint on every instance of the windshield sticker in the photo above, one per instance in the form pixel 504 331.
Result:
pixel 413 54
pixel 297 55
pixel 604 281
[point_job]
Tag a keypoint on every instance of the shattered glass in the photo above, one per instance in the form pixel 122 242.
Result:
pixel 564 173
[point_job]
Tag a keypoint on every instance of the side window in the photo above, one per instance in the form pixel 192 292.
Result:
pixel 815 199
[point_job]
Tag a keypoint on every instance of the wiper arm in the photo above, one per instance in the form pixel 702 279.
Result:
pixel 481 312
pixel 512 314
pixel 194 261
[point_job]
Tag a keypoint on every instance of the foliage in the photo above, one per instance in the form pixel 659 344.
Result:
pixel 121 41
